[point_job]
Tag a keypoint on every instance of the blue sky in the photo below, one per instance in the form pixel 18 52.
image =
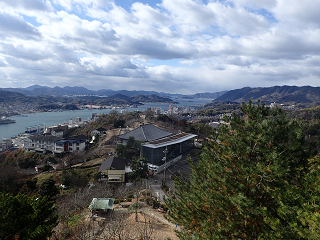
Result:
pixel 190 45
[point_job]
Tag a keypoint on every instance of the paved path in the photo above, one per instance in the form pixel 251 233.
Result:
pixel 157 192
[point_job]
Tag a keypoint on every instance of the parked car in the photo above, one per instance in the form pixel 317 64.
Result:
pixel 160 209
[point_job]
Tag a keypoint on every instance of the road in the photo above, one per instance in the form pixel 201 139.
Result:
pixel 181 167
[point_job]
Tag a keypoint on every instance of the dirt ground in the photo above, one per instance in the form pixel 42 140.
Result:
pixel 150 224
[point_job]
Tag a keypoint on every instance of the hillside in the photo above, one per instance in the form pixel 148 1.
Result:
pixel 151 98
pixel 37 90
pixel 279 94
pixel 205 95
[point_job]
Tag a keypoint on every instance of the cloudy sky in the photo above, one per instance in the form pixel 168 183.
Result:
pixel 175 46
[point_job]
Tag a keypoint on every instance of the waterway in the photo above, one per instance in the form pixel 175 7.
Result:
pixel 54 118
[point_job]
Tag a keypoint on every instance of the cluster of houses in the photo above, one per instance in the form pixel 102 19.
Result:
pixel 53 140
pixel 160 147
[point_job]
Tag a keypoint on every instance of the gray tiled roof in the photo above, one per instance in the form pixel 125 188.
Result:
pixel 47 138
pixel 146 133
pixel 115 162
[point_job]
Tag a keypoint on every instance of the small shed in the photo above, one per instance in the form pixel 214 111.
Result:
pixel 102 205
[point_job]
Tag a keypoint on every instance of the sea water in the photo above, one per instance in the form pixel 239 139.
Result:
pixel 55 118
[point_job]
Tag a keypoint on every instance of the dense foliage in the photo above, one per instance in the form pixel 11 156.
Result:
pixel 48 188
pixel 139 169
pixel 255 179
pixel 130 150
pixel 26 218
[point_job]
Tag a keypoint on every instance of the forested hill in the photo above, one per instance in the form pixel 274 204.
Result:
pixel 9 97
pixel 151 98
pixel 279 94
pixel 213 95
pixel 15 97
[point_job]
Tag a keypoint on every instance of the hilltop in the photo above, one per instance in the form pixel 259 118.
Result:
pixel 279 94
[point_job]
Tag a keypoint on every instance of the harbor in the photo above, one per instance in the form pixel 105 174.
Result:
pixel 55 118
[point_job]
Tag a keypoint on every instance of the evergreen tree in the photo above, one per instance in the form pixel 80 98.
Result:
pixel 26 218
pixel 139 169
pixel 48 188
pixel 253 180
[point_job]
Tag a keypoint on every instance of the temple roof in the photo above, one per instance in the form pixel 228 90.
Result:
pixel 146 133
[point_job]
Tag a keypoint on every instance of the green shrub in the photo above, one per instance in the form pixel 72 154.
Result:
pixel 155 204
pixel 146 193
pixel 134 206
pixel 116 201
pixel 129 199
pixel 149 201
pixel 130 195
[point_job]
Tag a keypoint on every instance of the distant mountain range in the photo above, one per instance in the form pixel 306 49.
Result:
pixel 45 100
pixel 37 90
pixel 278 94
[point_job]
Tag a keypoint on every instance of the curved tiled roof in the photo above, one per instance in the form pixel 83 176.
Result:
pixel 146 133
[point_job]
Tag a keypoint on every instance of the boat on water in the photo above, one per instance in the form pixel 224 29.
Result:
pixel 5 120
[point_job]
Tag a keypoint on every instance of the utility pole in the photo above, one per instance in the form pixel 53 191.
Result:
pixel 165 164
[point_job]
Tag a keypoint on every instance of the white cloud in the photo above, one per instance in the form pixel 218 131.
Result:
pixel 208 46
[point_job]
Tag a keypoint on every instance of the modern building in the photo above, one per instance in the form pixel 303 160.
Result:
pixel 156 140
pixel 6 144
pixel 175 144
pixel 36 129
pixel 72 144
pixel 54 144
pixel 41 143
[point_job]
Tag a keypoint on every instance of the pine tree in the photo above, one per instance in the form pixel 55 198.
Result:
pixel 23 217
pixel 48 188
pixel 252 181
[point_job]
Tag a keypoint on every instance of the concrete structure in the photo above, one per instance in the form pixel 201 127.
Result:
pixel 6 144
pixel 176 144
pixel 36 129
pixel 157 140
pixel 54 144
pixel 72 144
pixel 41 143
pixel 58 130
pixel 78 119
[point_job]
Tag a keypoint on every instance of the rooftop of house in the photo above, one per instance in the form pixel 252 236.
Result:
pixel 117 163
pixel 42 137
pixel 57 130
pixel 146 133
pixel 100 129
